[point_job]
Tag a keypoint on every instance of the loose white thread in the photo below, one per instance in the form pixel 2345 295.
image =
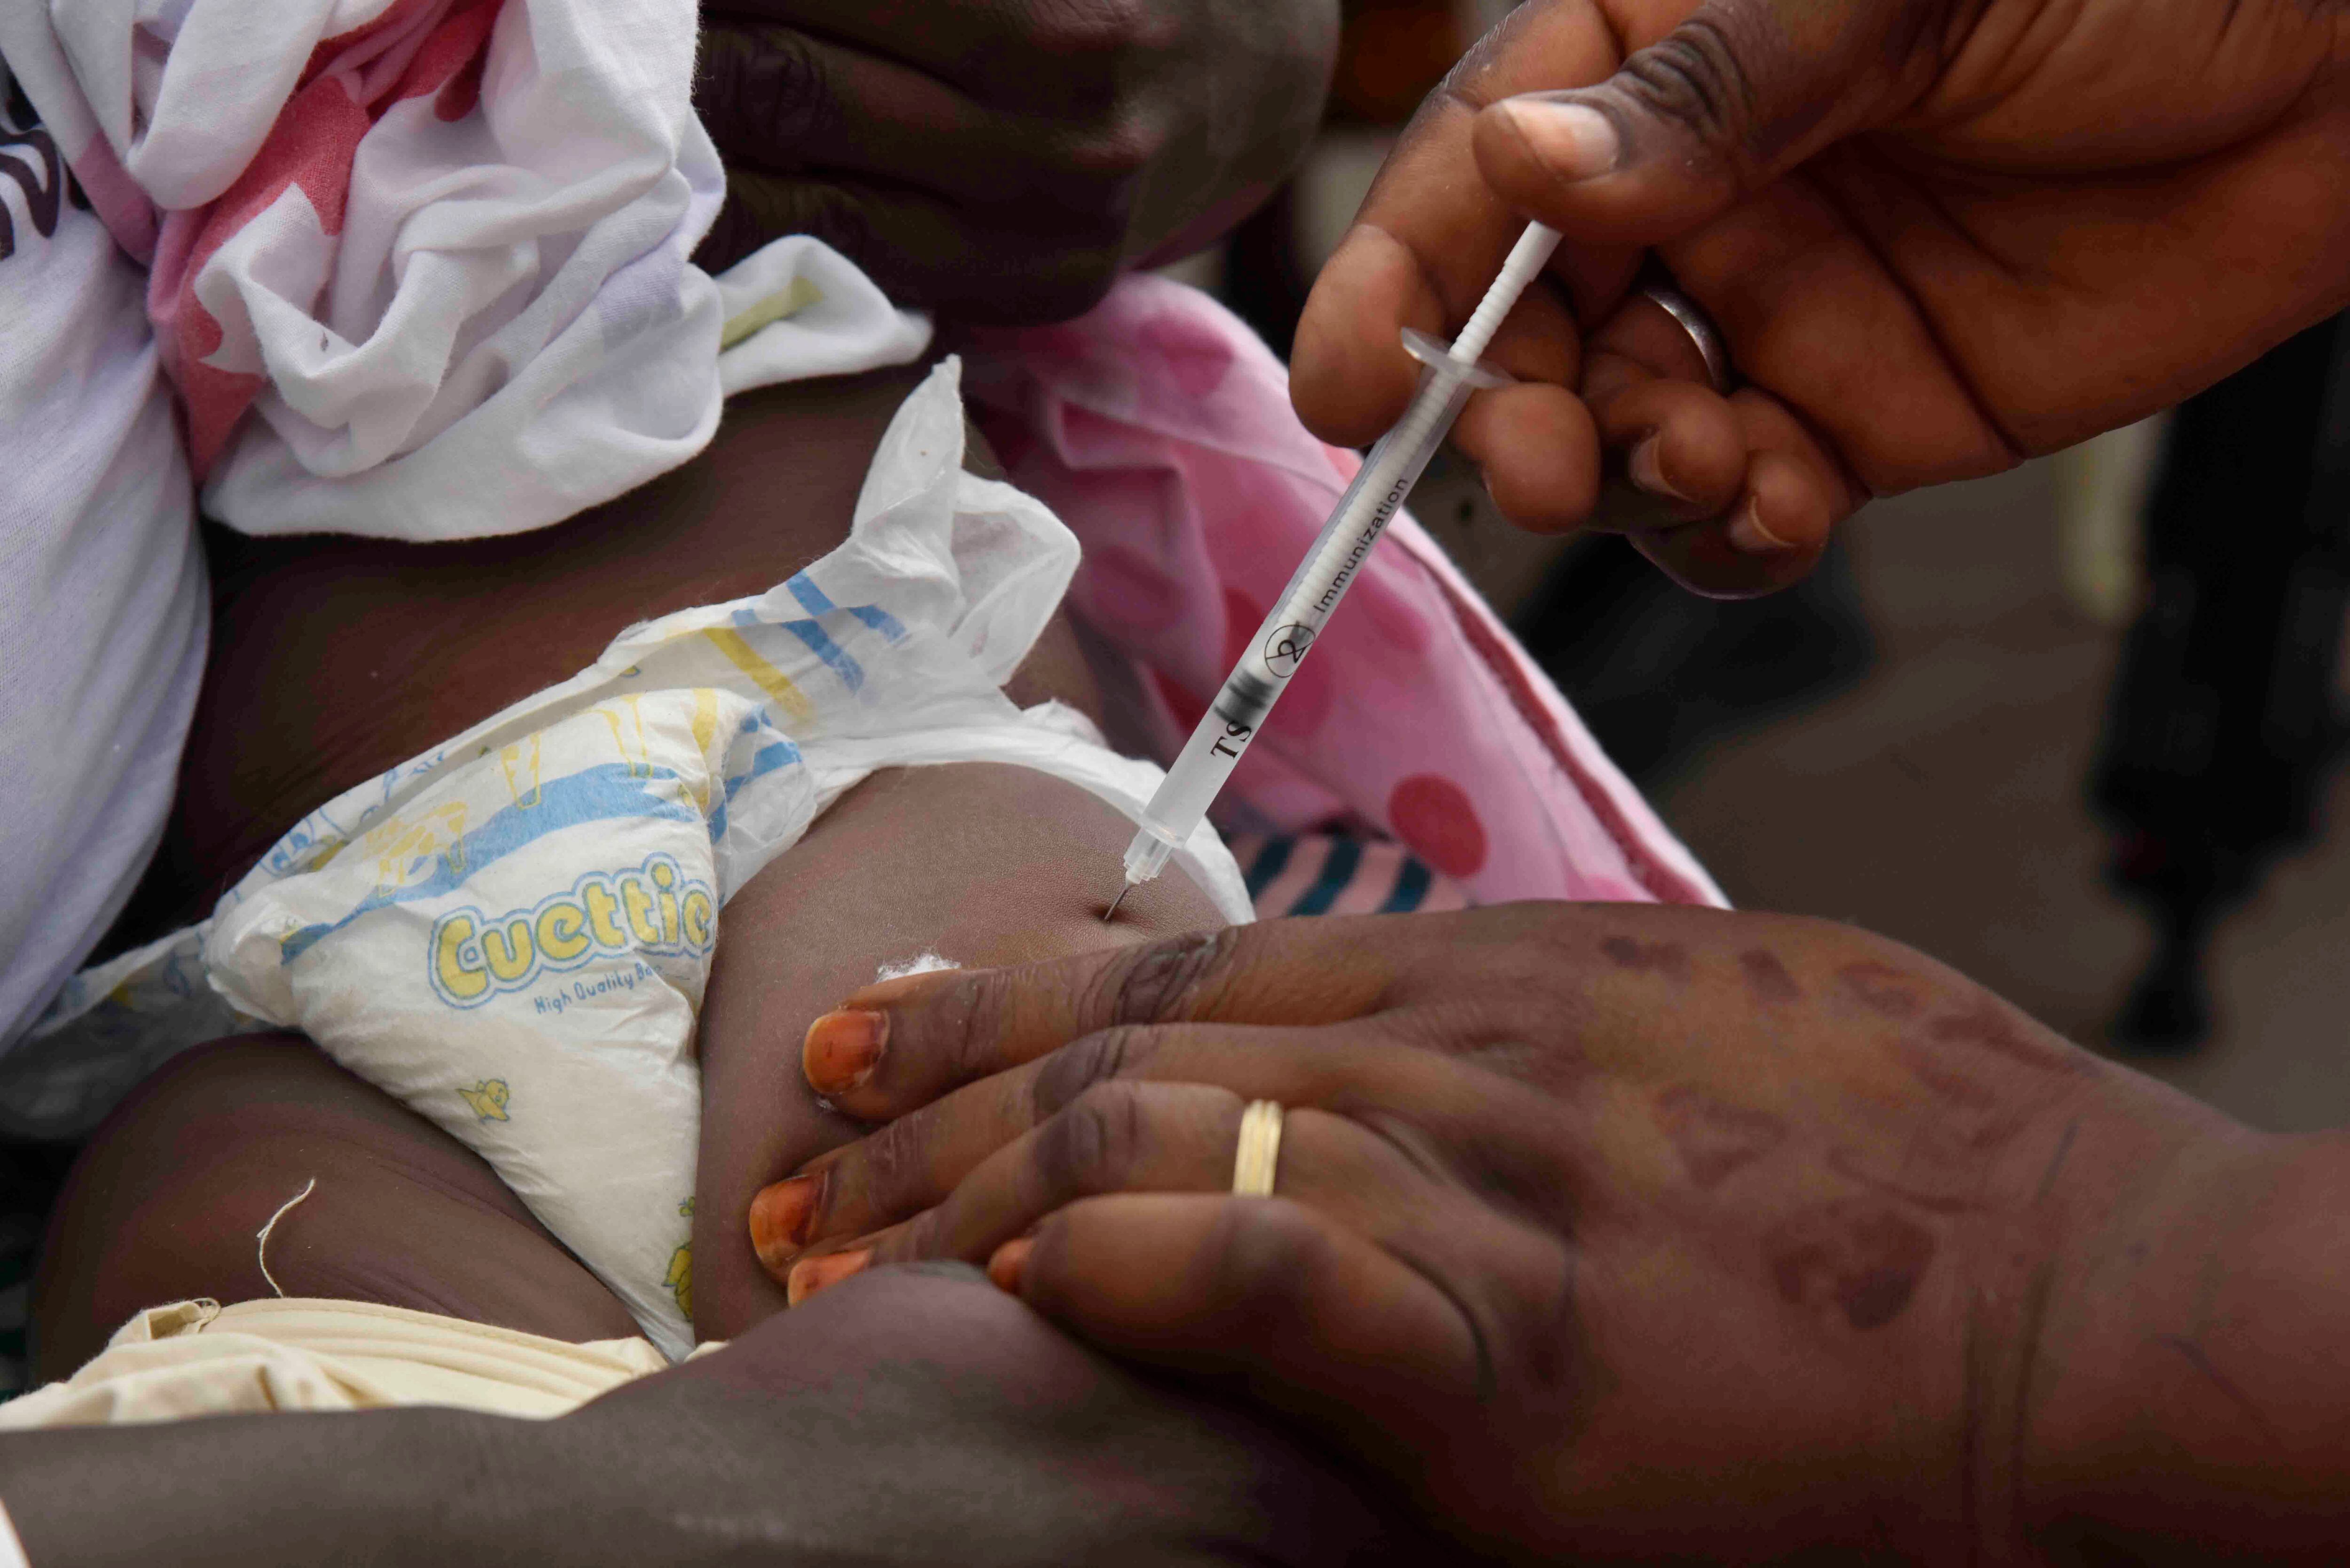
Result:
pixel 261 1237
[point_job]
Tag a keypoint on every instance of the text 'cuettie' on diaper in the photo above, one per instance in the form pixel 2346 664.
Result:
pixel 648 910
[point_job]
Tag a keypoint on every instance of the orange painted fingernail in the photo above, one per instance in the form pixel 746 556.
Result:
pixel 842 1049
pixel 1010 1264
pixel 781 1216
pixel 810 1275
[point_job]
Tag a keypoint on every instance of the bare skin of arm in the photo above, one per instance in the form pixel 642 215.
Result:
pixel 922 1419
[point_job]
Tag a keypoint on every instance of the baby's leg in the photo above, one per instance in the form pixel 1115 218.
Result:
pixel 165 1203
pixel 980 864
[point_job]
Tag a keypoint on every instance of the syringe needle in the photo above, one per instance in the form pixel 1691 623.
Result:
pixel 1111 913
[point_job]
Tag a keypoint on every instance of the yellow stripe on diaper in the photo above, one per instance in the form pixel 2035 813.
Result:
pixel 789 301
pixel 772 680
pixel 705 730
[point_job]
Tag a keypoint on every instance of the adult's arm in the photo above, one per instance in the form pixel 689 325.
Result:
pixel 1604 1227
pixel 920 1418
pixel 1004 161
pixel 1938 237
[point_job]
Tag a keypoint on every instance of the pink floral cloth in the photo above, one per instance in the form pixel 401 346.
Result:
pixel 1159 428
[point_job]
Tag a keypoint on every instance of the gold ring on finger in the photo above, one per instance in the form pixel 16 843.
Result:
pixel 1260 1150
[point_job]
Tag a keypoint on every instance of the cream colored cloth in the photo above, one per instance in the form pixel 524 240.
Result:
pixel 201 1358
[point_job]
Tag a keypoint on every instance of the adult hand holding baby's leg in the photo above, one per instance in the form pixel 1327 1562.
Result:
pixel 1595 1226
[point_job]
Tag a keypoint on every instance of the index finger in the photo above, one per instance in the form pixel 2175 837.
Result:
pixel 913 1039
pixel 1431 234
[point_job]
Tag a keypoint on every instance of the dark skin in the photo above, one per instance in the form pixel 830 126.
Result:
pixel 435 639
pixel 1598 1226
pixel 1940 236
pixel 1111 139
pixel 1087 138
pixel 959 1431
pixel 920 1418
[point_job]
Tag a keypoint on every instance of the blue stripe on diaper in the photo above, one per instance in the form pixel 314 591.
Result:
pixel 852 674
pixel 813 599
pixel 593 794
pixel 766 760
pixel 880 620
pixel 816 601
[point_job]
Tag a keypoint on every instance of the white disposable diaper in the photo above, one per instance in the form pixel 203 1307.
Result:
pixel 511 933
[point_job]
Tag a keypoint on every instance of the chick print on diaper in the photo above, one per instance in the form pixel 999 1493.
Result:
pixel 488 1099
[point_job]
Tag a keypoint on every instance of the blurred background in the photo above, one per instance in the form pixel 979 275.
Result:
pixel 2074 729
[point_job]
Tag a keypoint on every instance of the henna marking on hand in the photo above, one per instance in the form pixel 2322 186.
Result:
pixel 1659 958
pixel 2056 1161
pixel 2195 1358
pixel 1713 1136
pixel 1162 981
pixel 1883 988
pixel 1985 1025
pixel 1767 980
pixel 1861 1257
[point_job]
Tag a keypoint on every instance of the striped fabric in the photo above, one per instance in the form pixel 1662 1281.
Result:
pixel 1322 873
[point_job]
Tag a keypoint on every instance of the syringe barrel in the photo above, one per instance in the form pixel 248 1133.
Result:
pixel 1321 581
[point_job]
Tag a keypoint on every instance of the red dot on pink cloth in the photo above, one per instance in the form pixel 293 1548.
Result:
pixel 1197 359
pixel 1432 816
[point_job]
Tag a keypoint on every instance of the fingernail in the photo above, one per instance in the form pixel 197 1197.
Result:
pixel 1748 535
pixel 810 1275
pixel 1010 1263
pixel 1648 472
pixel 1575 141
pixel 843 1048
pixel 781 1216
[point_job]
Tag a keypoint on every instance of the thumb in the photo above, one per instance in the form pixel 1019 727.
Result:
pixel 1739 92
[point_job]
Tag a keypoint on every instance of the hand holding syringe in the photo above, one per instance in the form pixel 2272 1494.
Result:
pixel 1362 514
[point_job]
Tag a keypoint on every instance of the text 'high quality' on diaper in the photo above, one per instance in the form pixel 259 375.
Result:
pixel 511 933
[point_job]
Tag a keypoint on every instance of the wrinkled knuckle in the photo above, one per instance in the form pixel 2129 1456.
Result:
pixel 974 1013
pixel 770 87
pixel 889 1160
pixel 1090 1059
pixel 1693 77
pixel 1092 1144
pixel 1167 980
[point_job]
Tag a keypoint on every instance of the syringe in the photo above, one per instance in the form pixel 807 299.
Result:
pixel 1362 514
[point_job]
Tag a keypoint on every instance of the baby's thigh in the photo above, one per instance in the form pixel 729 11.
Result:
pixel 981 864
pixel 165 1204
